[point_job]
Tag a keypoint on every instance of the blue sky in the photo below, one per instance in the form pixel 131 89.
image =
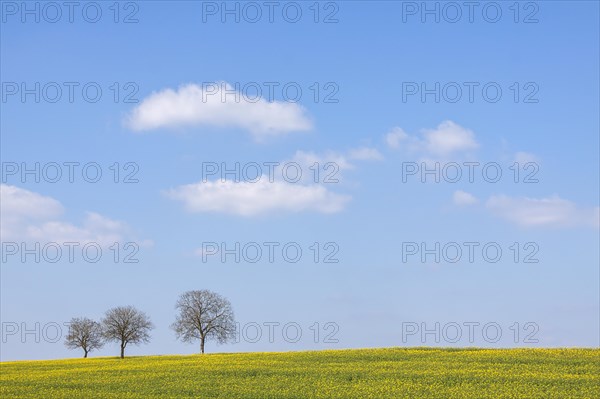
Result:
pixel 176 62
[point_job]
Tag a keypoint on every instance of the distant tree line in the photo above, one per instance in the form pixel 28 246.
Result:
pixel 201 315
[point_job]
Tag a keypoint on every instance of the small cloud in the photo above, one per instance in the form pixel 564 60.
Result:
pixel 447 139
pixel 342 161
pixel 544 212
pixel 217 105
pixel 308 158
pixel 395 137
pixel 365 154
pixel 261 197
pixel 462 198
pixel 525 157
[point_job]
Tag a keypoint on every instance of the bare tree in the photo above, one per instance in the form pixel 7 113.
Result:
pixel 126 325
pixel 85 334
pixel 204 315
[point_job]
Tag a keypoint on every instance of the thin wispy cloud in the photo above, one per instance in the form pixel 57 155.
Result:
pixel 261 197
pixel 523 157
pixel 365 154
pixel 552 211
pixel 527 212
pixel 308 158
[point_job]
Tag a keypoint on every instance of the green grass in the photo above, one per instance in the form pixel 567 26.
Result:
pixel 416 373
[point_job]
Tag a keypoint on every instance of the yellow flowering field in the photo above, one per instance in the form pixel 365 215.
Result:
pixel 415 373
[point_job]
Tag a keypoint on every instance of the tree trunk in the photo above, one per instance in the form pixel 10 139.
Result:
pixel 85 352
pixel 122 351
pixel 202 345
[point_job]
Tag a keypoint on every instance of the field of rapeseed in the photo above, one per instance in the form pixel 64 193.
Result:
pixel 417 373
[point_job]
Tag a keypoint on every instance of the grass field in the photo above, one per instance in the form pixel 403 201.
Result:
pixel 369 373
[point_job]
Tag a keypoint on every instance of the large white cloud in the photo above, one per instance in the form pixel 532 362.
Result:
pixel 261 197
pixel 29 216
pixel 194 105
pixel 298 184
pixel 543 212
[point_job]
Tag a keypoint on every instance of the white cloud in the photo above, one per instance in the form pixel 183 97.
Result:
pixel 298 184
pixel 29 216
pixel 193 105
pixel 308 158
pixel 544 212
pixel 342 160
pixel 463 198
pixel 395 137
pixel 448 138
pixel 95 228
pixel 365 154
pixel 331 164
pixel 18 203
pixel 249 199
